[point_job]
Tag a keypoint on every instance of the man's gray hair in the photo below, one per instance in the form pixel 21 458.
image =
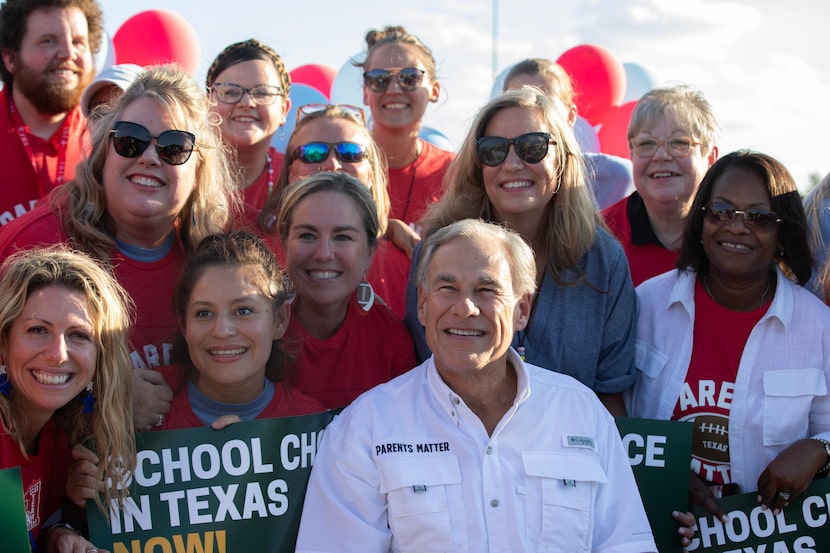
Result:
pixel 518 252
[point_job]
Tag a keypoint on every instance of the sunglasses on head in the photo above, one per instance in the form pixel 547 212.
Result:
pixel 354 111
pixel 131 139
pixel 409 78
pixel 725 213
pixel 531 148
pixel 318 152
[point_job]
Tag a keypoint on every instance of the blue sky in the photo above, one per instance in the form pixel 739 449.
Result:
pixel 761 63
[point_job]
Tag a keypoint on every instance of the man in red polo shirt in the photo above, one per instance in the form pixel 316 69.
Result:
pixel 47 48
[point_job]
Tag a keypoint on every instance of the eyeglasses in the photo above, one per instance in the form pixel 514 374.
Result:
pixel 725 213
pixel 531 148
pixel 232 93
pixel 409 78
pixel 675 147
pixel 354 111
pixel 131 139
pixel 318 152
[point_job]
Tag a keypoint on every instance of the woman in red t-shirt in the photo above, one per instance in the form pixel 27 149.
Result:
pixel 349 342
pixel 65 377
pixel 335 138
pixel 248 85
pixel 399 80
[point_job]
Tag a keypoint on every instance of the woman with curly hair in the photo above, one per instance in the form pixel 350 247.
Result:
pixel 156 181
pixel 65 378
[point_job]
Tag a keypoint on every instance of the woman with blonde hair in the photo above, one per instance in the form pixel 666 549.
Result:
pixel 520 166
pixel 609 177
pixel 330 230
pixel 65 377
pixel 817 209
pixel 335 138
pixel 156 181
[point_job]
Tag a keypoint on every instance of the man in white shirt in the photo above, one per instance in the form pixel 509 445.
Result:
pixel 474 450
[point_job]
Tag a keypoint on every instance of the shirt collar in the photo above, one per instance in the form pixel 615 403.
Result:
pixel 683 292
pixel 642 233
pixel 450 401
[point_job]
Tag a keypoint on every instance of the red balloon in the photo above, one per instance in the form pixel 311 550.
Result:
pixel 157 36
pixel 613 134
pixel 598 79
pixel 318 76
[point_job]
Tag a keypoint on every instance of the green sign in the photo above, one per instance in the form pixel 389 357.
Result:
pixel 215 491
pixel 13 525
pixel 659 453
pixel 802 527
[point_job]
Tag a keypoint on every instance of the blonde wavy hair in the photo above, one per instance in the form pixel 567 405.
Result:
pixel 571 216
pixel 111 423
pixel 82 203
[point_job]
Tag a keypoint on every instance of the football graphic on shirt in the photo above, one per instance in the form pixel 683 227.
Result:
pixel 710 437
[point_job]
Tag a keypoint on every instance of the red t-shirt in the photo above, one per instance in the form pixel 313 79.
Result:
pixel 413 187
pixel 647 257
pixel 43 475
pixel 150 285
pixel 285 403
pixel 20 185
pixel 388 274
pixel 256 194
pixel 720 335
pixel 370 348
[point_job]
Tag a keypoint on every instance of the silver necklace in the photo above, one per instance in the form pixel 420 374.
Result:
pixel 714 299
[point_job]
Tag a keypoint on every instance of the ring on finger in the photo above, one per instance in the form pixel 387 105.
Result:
pixel 785 496
pixel 161 420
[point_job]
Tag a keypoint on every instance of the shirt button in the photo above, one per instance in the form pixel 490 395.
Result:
pixel 456 401
pixel 494 503
pixel 489 450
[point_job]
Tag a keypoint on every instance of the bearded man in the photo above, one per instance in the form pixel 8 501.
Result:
pixel 47 48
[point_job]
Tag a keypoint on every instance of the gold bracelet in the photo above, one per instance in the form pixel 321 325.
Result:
pixel 826 468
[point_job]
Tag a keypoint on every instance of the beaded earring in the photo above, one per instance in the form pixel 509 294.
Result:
pixel 5 383
pixel 89 400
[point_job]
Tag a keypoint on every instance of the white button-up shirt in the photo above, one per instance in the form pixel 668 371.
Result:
pixel 409 467
pixel 780 393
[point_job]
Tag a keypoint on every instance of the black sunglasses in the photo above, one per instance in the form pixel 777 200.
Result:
pixel 725 213
pixel 409 78
pixel 318 152
pixel 131 139
pixel 531 148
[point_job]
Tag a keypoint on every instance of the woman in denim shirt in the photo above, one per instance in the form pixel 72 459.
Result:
pixel 520 166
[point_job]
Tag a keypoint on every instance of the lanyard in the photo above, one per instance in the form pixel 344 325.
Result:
pixel 269 164
pixel 42 173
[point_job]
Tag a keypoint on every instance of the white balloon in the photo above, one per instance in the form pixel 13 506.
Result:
pixel 347 86
pixel 498 84
pixel 639 80
pixel 436 138
pixel 586 135
pixel 300 94
pixel 105 57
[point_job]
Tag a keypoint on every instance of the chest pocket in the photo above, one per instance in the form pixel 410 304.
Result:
pixel 650 362
pixel 788 397
pixel 563 499
pixel 416 497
